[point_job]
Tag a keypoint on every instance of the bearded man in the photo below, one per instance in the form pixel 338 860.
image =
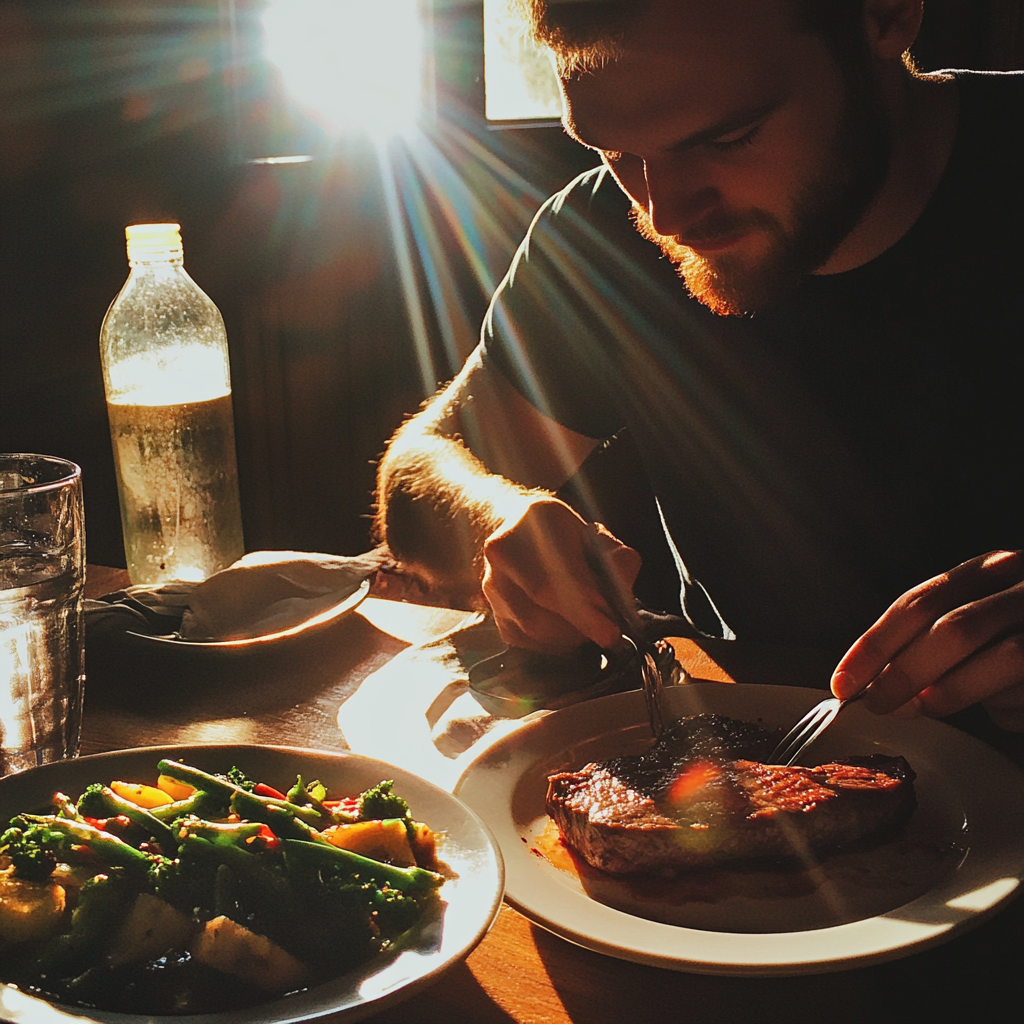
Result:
pixel 828 404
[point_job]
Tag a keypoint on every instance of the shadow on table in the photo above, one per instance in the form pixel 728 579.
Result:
pixel 975 977
pixel 288 696
pixel 464 1002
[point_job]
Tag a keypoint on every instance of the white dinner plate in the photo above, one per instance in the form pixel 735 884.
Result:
pixel 470 898
pixel 960 857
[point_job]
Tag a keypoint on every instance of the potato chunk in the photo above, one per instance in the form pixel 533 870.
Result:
pixel 386 840
pixel 230 948
pixel 29 911
pixel 152 928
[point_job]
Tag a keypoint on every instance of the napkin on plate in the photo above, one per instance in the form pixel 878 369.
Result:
pixel 263 592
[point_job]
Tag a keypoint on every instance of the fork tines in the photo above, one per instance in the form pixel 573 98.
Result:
pixel 806 731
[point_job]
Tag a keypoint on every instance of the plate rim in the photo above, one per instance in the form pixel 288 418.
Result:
pixel 584 935
pixel 289 1010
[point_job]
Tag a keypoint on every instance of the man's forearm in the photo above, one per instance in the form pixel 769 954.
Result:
pixel 437 504
pixel 445 484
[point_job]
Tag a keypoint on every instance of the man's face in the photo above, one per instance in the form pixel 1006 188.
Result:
pixel 747 152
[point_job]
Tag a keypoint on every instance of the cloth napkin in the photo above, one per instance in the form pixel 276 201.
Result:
pixel 263 592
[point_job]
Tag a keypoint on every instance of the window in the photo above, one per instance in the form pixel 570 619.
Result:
pixel 519 81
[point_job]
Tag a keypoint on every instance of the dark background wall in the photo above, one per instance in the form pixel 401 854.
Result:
pixel 119 111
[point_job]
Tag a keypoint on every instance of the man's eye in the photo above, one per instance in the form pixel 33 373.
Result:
pixel 734 140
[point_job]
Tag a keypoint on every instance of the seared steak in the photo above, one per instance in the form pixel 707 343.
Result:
pixel 700 797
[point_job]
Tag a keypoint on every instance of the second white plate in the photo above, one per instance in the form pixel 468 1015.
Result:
pixel 960 858
pixel 471 898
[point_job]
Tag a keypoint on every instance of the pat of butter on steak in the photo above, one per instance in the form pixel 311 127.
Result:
pixel 700 798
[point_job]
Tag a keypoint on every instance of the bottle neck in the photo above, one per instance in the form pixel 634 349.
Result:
pixel 156 260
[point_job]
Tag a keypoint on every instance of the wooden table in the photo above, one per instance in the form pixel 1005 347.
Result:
pixel 520 972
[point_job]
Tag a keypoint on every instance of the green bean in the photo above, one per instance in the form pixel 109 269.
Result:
pixel 102 802
pixel 407 880
pixel 200 803
pixel 219 833
pixel 106 847
pixel 281 818
pixel 66 807
pixel 227 790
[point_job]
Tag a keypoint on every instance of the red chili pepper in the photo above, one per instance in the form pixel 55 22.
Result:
pixel 349 803
pixel 120 823
pixel 266 836
pixel 262 789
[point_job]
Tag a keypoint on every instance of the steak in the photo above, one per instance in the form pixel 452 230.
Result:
pixel 700 797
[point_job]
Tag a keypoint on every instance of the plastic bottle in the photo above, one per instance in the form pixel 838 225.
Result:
pixel 168 387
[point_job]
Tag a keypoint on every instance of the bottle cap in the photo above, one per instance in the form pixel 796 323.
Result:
pixel 150 243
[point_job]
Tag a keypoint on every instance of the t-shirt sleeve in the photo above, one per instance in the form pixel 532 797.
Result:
pixel 551 326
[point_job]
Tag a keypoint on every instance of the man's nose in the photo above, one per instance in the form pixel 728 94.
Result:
pixel 678 195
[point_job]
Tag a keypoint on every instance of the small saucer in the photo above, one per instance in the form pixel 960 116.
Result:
pixel 248 645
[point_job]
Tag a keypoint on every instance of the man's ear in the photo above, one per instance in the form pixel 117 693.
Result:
pixel 891 26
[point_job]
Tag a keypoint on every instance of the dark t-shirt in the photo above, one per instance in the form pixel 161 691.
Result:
pixel 814 461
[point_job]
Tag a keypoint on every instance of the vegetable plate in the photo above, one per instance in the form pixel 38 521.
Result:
pixel 222 883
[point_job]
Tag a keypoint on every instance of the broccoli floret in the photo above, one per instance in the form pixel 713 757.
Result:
pixel 338 922
pixel 312 793
pixel 396 912
pixel 91 791
pixel 240 779
pixel 31 853
pixel 380 802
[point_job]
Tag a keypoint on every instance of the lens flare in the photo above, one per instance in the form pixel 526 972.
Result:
pixel 352 65
pixel 691 780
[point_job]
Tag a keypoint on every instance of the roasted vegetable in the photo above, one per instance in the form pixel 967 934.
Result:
pixel 224 789
pixel 29 910
pixel 141 795
pixel 152 928
pixel 173 788
pixel 412 880
pixel 382 802
pixel 100 801
pixel 72 840
pixel 240 779
pixel 386 840
pixel 233 949
pixel 104 902
pixel 30 850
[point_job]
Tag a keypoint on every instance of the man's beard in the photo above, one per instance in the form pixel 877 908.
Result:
pixel 824 212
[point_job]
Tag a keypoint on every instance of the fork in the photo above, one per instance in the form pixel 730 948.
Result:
pixel 651 678
pixel 809 728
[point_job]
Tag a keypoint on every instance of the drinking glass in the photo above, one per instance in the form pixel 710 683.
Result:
pixel 42 578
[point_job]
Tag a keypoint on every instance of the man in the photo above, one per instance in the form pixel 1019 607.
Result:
pixel 828 404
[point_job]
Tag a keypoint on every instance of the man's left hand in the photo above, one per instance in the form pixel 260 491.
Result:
pixel 946 644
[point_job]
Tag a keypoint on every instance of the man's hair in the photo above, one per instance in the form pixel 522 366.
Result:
pixel 584 34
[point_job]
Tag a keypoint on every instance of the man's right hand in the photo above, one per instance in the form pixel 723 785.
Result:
pixel 540 578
